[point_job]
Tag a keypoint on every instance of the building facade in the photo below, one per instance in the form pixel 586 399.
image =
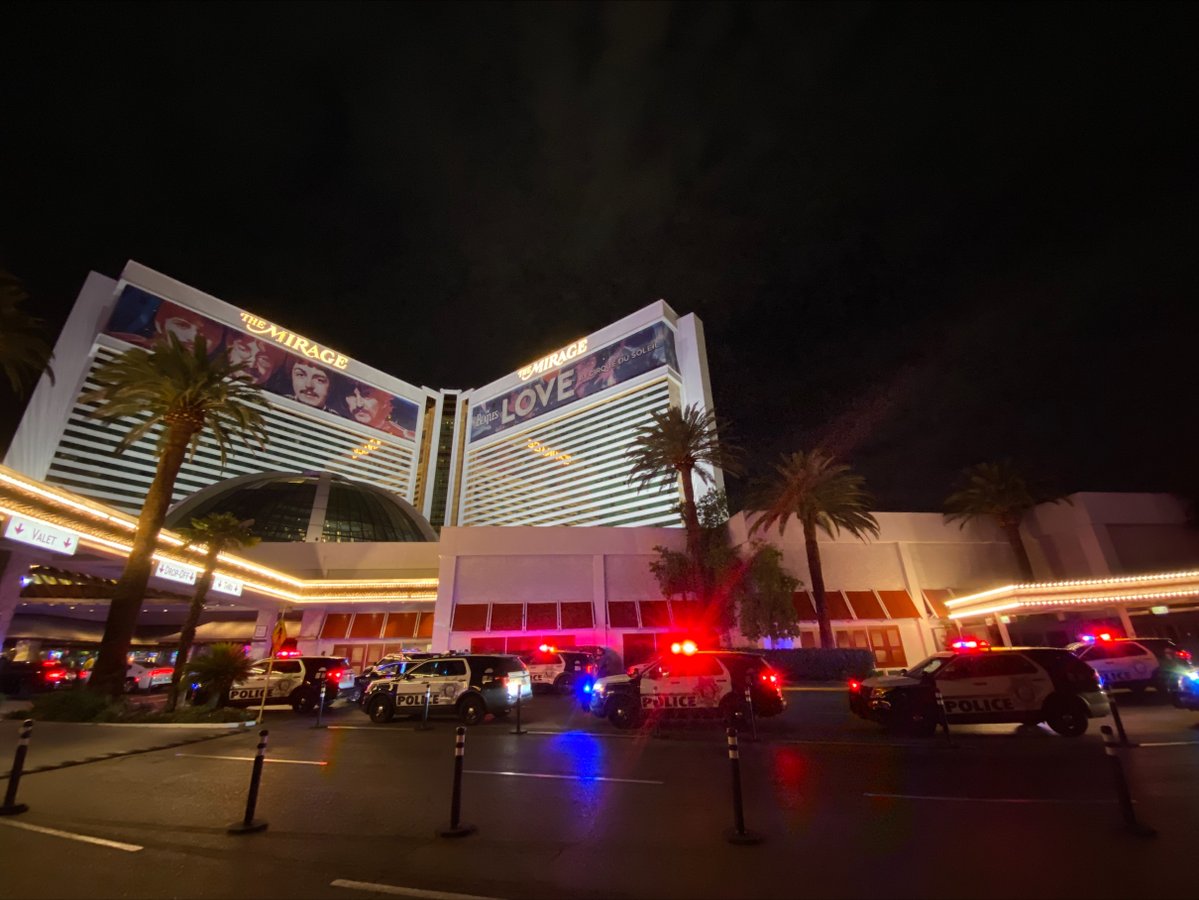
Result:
pixel 542 446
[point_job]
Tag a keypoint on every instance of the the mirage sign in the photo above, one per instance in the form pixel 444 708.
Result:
pixel 635 355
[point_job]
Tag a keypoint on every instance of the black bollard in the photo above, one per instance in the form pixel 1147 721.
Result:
pixel 424 725
pixel 518 729
pixel 11 807
pixel 738 834
pixel 1115 708
pixel 249 824
pixel 944 716
pixel 457 828
pixel 1123 794
pixel 322 676
pixel 749 705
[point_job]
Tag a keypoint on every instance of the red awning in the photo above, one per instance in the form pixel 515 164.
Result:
pixel 865 605
pixel 899 605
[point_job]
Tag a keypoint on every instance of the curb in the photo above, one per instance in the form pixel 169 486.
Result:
pixel 117 754
pixel 209 725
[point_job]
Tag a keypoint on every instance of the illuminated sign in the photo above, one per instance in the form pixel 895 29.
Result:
pixel 294 342
pixel 643 351
pixel 39 534
pixel 555 359
pixel 1160 610
pixel 550 453
pixel 227 585
pixel 173 571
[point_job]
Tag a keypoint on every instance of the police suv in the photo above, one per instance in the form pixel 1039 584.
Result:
pixel 1134 663
pixel 468 685
pixel 979 684
pixel 689 682
pixel 557 670
pixel 293 680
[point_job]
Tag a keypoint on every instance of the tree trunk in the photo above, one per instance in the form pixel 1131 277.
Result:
pixel 189 627
pixel 108 676
pixel 695 543
pixel 1012 530
pixel 817 573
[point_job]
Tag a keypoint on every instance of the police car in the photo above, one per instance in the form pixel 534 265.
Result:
pixel 1134 663
pixel 390 666
pixel 557 670
pixel 468 685
pixel 979 684
pixel 292 680
pixel 690 683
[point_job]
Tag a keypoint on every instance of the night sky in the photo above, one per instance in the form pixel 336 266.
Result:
pixel 925 236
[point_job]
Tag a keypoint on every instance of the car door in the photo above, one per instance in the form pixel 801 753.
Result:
pixel 963 688
pixel 450 679
pixel 410 689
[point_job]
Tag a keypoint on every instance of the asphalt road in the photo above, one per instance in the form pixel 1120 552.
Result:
pixel 578 809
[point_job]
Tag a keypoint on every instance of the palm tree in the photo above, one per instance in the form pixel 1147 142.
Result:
pixel 998 491
pixel 823 494
pixel 218 532
pixel 218 668
pixel 24 350
pixel 183 394
pixel 675 445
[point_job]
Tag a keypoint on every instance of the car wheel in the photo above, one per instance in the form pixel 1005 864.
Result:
pixel 304 701
pixel 622 711
pixel 130 685
pixel 471 710
pixel 563 684
pixel 1067 716
pixel 381 710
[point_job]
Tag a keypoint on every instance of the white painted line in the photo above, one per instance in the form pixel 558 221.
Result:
pixel 403 891
pixel 211 726
pixel 294 762
pixel 928 743
pixel 836 690
pixel 603 734
pixel 982 799
pixel 1167 743
pixel 564 777
pixel 355 728
pixel 71 836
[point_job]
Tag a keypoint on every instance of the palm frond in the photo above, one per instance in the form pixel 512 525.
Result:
pixel 818 490
pixel 996 490
pixel 678 442
pixel 170 383
pixel 222 531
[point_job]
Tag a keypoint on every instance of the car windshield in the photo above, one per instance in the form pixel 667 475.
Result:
pixel 928 666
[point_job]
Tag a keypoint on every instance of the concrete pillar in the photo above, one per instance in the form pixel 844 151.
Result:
pixel 915 589
pixel 599 599
pixel 1003 632
pixel 443 612
pixel 1126 621
pixel 260 647
pixel 14 565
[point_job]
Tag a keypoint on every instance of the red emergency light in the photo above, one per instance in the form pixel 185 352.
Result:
pixel 970 644
pixel 687 648
pixel 855 686
pixel 547 648
pixel 287 654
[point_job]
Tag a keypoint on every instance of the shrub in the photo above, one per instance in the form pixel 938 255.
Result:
pixel 67 706
pixel 819 664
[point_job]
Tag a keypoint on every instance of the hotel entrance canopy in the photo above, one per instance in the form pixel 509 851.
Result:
pixel 1126 594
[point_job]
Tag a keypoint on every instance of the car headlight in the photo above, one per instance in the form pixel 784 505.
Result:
pixel 597 688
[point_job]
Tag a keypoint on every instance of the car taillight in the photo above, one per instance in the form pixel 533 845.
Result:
pixel 1184 655
pixel 162 672
pixel 336 675
pixel 855 686
pixel 55 674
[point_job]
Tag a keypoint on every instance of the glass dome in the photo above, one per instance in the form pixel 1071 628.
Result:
pixel 308 507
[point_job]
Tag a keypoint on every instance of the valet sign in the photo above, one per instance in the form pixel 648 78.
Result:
pixel 39 534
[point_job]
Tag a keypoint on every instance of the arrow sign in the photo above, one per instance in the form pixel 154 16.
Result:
pixel 41 534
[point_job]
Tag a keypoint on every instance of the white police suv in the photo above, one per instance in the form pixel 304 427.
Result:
pixel 1134 663
pixel 689 683
pixel 467 685
pixel 557 670
pixel 979 684
pixel 294 680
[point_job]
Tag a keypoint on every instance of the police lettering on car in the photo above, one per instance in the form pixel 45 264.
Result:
pixel 293 679
pixel 470 685
pixel 978 684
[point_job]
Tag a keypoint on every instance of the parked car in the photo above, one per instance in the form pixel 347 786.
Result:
pixel 468 685
pixel 20 679
pixel 1135 663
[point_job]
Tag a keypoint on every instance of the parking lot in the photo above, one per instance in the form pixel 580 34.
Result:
pixel 577 808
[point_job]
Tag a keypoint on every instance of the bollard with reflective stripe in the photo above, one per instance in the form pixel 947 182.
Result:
pixel 738 834
pixel 322 675
pixel 423 724
pixel 457 828
pixel 518 729
pixel 1115 709
pixel 944 716
pixel 1123 794
pixel 249 825
pixel 11 807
